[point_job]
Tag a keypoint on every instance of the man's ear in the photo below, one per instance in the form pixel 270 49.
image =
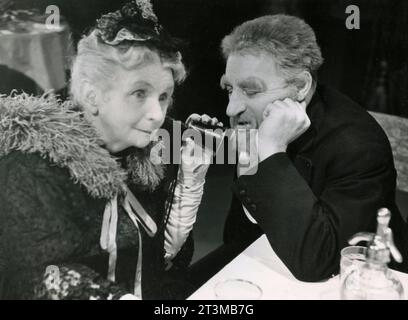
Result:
pixel 307 80
pixel 89 97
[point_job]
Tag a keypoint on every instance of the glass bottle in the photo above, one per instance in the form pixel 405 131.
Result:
pixel 374 281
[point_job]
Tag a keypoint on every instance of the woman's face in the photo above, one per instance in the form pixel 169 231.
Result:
pixel 134 106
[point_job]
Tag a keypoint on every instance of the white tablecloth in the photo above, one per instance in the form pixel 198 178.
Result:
pixel 260 265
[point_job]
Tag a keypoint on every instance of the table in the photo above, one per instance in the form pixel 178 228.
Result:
pixel 260 265
pixel 43 54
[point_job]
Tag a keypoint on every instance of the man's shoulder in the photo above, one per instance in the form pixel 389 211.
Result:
pixel 339 108
pixel 348 123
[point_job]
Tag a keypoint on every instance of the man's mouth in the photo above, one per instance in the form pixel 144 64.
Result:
pixel 244 124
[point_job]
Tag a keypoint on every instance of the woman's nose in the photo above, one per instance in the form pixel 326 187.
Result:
pixel 235 106
pixel 155 112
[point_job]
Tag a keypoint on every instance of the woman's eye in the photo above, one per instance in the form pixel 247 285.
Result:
pixel 140 94
pixel 164 97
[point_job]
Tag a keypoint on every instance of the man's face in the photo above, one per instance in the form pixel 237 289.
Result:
pixel 252 83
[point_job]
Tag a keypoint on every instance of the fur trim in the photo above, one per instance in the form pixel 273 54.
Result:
pixel 53 129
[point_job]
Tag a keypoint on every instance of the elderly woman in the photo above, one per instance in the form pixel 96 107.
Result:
pixel 84 211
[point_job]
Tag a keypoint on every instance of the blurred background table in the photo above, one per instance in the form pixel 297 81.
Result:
pixel 30 48
pixel 260 265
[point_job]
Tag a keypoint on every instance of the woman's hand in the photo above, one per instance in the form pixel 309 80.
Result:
pixel 205 119
pixel 195 162
pixel 188 193
pixel 196 159
pixel 186 198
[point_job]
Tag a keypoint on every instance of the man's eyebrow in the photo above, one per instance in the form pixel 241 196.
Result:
pixel 224 81
pixel 253 82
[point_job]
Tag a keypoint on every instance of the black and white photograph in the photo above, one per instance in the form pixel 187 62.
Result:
pixel 203 150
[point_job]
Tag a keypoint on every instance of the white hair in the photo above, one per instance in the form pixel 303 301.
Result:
pixel 289 39
pixel 96 61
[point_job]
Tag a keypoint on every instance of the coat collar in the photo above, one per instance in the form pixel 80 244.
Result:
pixel 315 112
pixel 57 132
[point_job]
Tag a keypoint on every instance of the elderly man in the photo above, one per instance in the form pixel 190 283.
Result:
pixel 325 166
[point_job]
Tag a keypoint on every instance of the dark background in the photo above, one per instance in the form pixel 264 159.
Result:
pixel 369 65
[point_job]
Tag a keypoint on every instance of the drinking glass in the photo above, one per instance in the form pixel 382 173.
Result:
pixel 237 289
pixel 352 257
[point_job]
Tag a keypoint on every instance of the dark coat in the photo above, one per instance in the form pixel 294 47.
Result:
pixel 328 186
pixel 48 218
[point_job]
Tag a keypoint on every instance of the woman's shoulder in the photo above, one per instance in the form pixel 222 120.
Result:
pixel 31 163
pixel 32 172
pixel 33 189
pixel 44 127
pixel 18 159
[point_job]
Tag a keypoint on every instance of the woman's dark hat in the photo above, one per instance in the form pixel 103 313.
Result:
pixel 134 22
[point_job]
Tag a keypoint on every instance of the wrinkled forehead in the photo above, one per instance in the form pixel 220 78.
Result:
pixel 249 67
pixel 155 75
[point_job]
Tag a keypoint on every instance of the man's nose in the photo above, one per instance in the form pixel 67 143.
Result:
pixel 235 106
pixel 155 112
